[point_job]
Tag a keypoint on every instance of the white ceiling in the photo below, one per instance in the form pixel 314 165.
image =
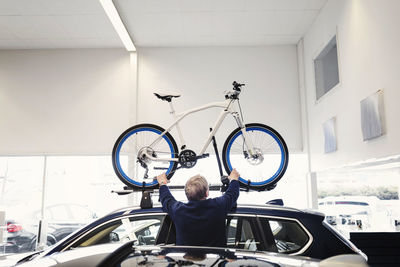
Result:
pixel 55 24
pixel 40 24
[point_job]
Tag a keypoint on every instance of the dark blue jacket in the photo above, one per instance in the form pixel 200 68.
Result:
pixel 200 223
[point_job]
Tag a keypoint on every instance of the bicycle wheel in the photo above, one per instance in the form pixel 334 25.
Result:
pixel 130 146
pixel 267 167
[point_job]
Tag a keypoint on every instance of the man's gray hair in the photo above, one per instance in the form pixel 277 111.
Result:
pixel 196 188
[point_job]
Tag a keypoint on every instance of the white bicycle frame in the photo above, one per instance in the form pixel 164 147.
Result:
pixel 227 107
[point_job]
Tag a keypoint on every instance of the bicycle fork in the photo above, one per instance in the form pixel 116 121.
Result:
pixel 252 154
pixel 246 140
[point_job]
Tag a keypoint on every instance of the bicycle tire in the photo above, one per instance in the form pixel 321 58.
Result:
pixel 276 151
pixel 124 157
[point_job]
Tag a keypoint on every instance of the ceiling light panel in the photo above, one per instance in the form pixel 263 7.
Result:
pixel 119 26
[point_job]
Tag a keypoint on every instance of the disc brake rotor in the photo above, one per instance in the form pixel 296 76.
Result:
pixel 257 158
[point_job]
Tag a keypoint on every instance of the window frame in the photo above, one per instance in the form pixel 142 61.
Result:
pixel 310 237
pixel 119 218
pixel 255 227
pixel 321 48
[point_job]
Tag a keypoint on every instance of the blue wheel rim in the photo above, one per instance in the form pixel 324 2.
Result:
pixel 117 155
pixel 281 166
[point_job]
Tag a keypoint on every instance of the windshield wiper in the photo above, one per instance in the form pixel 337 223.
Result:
pixel 29 257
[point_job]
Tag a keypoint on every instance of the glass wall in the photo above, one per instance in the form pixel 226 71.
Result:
pixel 21 182
pixel 60 194
pixel 364 197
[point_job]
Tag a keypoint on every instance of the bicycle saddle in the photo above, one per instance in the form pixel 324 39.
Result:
pixel 165 97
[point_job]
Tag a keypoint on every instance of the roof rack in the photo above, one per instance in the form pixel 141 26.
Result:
pixel 146 201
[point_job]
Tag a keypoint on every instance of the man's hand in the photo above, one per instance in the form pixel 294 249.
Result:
pixel 162 179
pixel 234 175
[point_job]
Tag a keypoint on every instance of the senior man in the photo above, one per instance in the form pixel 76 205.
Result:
pixel 202 220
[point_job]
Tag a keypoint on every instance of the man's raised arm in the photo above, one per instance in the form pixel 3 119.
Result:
pixel 232 194
pixel 166 198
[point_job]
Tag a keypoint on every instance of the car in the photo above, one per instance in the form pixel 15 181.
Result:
pixel 270 228
pixel 20 240
pixel 63 219
pixel 127 254
pixel 354 213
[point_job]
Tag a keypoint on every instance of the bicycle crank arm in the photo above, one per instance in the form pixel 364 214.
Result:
pixel 205 155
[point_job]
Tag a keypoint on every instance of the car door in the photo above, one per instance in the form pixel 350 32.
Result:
pixel 242 231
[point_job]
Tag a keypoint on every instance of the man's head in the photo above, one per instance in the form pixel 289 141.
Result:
pixel 196 188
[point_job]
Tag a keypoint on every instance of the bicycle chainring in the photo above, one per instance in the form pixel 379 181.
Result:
pixel 187 158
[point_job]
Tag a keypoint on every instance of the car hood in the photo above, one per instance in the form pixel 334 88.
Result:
pixel 89 256
pixel 7 260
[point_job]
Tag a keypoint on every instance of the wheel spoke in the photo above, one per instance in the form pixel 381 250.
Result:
pixel 268 167
pixel 130 156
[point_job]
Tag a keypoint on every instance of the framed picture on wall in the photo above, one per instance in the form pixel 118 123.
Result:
pixel 329 128
pixel 372 117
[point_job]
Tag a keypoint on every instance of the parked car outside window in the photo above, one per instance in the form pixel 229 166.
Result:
pixel 62 220
pixel 356 213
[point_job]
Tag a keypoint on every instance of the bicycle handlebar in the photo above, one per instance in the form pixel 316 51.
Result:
pixel 237 86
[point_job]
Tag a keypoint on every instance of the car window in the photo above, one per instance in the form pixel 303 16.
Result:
pixel 289 236
pixel 143 230
pixel 241 233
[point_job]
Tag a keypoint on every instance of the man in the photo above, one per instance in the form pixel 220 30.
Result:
pixel 201 221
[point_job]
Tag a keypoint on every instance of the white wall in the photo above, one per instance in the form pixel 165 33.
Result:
pixel 201 75
pixel 51 101
pixel 63 101
pixel 369 60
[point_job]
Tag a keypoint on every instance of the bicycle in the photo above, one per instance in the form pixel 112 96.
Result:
pixel 145 150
